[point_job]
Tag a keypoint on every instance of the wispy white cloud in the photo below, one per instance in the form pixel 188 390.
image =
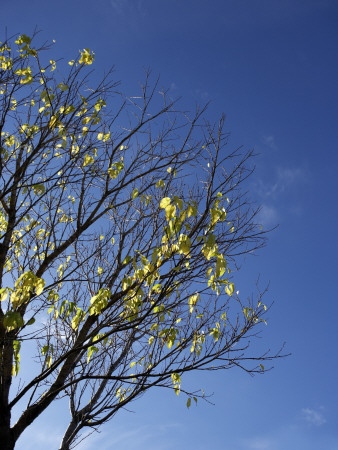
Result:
pixel 269 141
pixel 313 417
pixel 173 86
pixel 286 177
pixel 117 5
pixel 203 95
pixel 36 439
pixel 267 216
pixel 272 192
pixel 260 443
pixel 129 439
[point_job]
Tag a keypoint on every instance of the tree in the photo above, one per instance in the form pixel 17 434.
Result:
pixel 119 229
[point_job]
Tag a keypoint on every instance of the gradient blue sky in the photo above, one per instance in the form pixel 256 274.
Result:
pixel 271 66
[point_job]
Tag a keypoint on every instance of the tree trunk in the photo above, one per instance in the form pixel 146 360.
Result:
pixel 7 441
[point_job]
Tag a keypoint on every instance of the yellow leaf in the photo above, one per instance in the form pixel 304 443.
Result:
pixel 3 294
pixel 165 202
pixel 184 247
pixel 86 120
pixel 52 122
pixel 135 194
pixel 106 137
pixel 87 57
pixel 192 302
pixel 39 286
pixel 170 211
pixel 192 210
pixel 230 289
pixel 87 160
pixel 160 184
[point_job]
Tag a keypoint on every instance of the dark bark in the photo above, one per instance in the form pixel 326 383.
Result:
pixel 6 435
pixel 6 355
pixel 7 441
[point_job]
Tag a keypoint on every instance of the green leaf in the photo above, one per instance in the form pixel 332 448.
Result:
pixel 178 202
pixel 63 87
pixel 126 260
pixel 23 39
pixel 16 356
pixel 12 320
pixel 38 189
pixel 188 402
pixel 31 321
pixel 44 349
pixel 86 120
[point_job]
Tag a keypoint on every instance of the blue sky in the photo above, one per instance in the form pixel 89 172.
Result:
pixel 271 66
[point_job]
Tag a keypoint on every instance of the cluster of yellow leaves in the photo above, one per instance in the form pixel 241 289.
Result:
pixel 87 57
pixel 116 168
pixel 26 75
pixel 25 287
pixel 99 301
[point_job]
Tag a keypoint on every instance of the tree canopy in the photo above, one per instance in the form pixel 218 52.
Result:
pixel 120 220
